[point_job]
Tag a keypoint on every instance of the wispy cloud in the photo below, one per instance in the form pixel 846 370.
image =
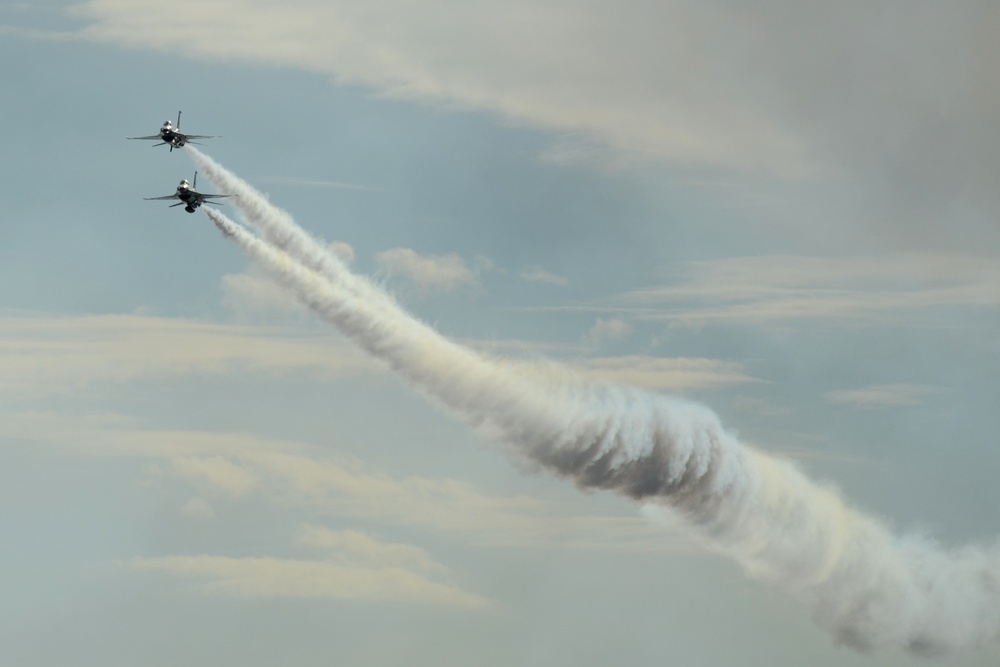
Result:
pixel 884 395
pixel 764 290
pixel 314 482
pixel 732 87
pixel 198 507
pixel 537 275
pixel 51 355
pixel 218 472
pixel 314 183
pixel 253 297
pixel 760 407
pixel 432 272
pixel 605 330
pixel 352 546
pixel 664 374
pixel 550 65
pixel 266 577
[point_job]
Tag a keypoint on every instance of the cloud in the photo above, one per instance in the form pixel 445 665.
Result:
pixel 217 472
pixel 314 183
pixel 608 330
pixel 343 250
pixel 353 546
pixel 666 374
pixel 582 70
pixel 894 107
pixel 760 407
pixel 442 272
pixel 719 83
pixel 768 289
pixel 313 481
pixel 288 578
pixel 254 297
pixel 537 275
pixel 44 355
pixel 198 507
pixel 884 395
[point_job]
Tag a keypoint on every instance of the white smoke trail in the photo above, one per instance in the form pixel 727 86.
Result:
pixel 871 589
pixel 278 228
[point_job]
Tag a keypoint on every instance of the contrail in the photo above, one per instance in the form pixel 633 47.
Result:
pixel 277 226
pixel 868 587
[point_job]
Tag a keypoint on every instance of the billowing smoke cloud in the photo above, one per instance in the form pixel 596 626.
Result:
pixel 870 588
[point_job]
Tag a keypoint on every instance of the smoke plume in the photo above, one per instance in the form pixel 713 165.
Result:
pixel 870 588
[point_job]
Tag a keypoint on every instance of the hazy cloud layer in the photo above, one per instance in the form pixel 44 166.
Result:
pixel 539 275
pixel 218 472
pixel 561 65
pixel 760 290
pixel 45 355
pixel 352 546
pixel 430 272
pixel 229 465
pixel 252 297
pixel 896 97
pixel 264 577
pixel 666 373
pixel 884 395
pixel 51 355
pixel 606 330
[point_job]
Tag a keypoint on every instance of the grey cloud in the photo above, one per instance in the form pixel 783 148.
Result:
pixel 894 102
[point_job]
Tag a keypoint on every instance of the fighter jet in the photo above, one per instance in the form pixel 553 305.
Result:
pixel 172 136
pixel 190 198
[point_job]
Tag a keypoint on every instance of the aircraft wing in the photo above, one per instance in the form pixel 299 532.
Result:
pixel 200 136
pixel 153 136
pixel 164 197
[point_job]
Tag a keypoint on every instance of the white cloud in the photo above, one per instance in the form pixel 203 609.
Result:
pixel 353 546
pixel 218 472
pixel 198 507
pixel 762 290
pixel 255 297
pixel 51 355
pixel 537 275
pixel 314 183
pixel 314 481
pixel 884 395
pixel 442 272
pixel 746 88
pixel 666 374
pixel 343 250
pixel 289 578
pixel 608 330
pixel 357 567
pixel 583 69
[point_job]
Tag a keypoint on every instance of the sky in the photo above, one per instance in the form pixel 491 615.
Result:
pixel 783 211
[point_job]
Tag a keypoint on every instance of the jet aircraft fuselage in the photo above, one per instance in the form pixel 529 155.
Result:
pixel 172 136
pixel 190 198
